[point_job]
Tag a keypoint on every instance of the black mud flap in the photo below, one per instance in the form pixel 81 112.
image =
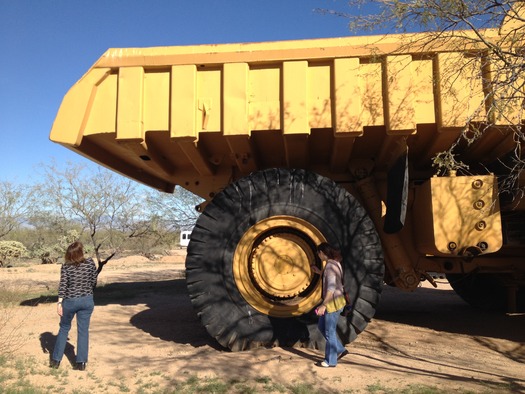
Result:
pixel 397 195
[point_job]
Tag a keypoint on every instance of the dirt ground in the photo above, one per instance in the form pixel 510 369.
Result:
pixel 146 337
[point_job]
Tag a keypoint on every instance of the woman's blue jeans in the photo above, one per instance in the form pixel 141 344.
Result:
pixel 82 307
pixel 328 326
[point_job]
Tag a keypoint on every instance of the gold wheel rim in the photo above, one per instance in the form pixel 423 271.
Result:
pixel 271 266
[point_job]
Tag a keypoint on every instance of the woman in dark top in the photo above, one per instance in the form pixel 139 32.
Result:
pixel 78 278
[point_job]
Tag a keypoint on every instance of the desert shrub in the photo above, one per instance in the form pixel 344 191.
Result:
pixel 49 254
pixel 45 254
pixel 11 250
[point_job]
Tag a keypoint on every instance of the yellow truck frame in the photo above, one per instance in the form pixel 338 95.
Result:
pixel 295 143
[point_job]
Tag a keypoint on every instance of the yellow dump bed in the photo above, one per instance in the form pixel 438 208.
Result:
pixel 202 116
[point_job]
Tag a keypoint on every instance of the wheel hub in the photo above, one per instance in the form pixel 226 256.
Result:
pixel 277 265
pixel 271 266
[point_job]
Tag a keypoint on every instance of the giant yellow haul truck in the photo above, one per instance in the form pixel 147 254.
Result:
pixel 295 143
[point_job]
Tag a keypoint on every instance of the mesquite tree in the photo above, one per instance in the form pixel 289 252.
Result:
pixel 105 204
pixel 112 208
pixel 16 205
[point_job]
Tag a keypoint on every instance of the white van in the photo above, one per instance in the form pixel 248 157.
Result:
pixel 185 238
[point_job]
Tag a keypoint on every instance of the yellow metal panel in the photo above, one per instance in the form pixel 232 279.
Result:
pixel 209 100
pixel 156 100
pixel 296 150
pixel 235 95
pixel 509 98
pixel 512 24
pixel 460 90
pixel 314 49
pixel 464 213
pixel 347 92
pixel 399 95
pixel 103 114
pixel 371 94
pixel 341 153
pixel 294 106
pixel 198 161
pixel 319 102
pixel 493 143
pixel 265 92
pixel 75 109
pixel 242 153
pixel 279 87
pixel 423 74
pixel 183 101
pixel 130 103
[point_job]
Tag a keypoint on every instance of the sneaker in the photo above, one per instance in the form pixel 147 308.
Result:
pixel 342 354
pixel 324 364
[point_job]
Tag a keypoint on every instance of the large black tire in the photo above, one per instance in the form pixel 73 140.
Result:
pixel 487 291
pixel 241 224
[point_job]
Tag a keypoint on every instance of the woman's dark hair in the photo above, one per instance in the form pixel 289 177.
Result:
pixel 75 253
pixel 330 252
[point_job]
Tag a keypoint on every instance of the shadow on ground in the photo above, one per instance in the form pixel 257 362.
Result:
pixel 47 342
pixel 444 310
pixel 171 316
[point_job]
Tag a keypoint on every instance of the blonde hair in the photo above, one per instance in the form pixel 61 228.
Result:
pixel 75 253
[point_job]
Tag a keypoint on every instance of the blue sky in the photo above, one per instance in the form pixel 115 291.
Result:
pixel 47 45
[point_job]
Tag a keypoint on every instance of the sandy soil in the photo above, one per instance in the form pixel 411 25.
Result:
pixel 146 337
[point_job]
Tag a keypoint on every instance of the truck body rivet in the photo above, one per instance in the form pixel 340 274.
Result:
pixel 477 184
pixel 481 225
pixel 479 204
